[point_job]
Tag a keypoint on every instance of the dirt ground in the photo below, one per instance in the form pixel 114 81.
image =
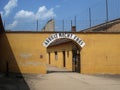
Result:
pixel 60 79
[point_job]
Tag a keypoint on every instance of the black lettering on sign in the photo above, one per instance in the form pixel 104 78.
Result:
pixel 71 36
pixel 60 35
pixel 67 35
pixel 55 36
pixel 46 44
pixel 75 37
pixel 79 41
pixel 50 39
pixel 47 41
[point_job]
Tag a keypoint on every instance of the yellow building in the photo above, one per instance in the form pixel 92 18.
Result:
pixel 87 53
pixel 99 55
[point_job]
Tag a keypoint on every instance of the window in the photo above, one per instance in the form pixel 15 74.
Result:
pixel 41 56
pixel 56 56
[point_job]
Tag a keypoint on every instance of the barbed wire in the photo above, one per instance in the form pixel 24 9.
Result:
pixel 89 17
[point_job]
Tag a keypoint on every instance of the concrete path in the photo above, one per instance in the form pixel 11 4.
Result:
pixel 65 80
pixel 59 79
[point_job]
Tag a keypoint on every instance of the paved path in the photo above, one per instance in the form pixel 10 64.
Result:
pixel 64 80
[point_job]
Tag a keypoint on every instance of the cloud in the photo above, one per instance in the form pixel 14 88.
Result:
pixel 24 16
pixel 10 6
pixel 14 24
pixel 44 13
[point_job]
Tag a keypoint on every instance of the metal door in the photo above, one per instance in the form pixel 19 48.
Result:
pixel 76 60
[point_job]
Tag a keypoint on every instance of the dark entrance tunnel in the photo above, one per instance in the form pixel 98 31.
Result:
pixel 11 77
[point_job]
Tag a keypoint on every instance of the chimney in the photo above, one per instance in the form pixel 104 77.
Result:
pixel 73 28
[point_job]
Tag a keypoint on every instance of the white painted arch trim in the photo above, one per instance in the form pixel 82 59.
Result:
pixel 56 36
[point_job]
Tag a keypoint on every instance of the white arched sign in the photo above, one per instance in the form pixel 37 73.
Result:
pixel 56 36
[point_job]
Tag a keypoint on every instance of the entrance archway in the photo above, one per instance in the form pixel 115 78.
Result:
pixel 64 51
pixel 56 36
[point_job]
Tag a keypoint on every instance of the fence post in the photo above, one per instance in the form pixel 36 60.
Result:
pixel 37 25
pixel 75 20
pixel 106 14
pixel 63 24
pixel 90 16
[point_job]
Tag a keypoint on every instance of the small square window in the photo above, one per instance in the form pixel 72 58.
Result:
pixel 41 56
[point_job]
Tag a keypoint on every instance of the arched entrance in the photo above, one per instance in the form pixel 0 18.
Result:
pixel 56 36
pixel 64 51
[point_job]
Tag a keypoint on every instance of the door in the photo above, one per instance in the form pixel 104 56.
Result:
pixel 76 60
pixel 49 58
pixel 64 61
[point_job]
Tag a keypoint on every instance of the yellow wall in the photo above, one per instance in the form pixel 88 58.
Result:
pixel 67 47
pixel 26 50
pixel 69 60
pixel 101 53
pixel 58 62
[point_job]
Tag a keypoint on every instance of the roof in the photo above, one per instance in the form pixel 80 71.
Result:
pixel 104 27
pixel 59 41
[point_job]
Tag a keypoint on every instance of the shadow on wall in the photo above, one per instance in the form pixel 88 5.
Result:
pixel 10 75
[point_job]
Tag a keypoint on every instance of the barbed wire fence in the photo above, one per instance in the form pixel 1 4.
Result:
pixel 101 12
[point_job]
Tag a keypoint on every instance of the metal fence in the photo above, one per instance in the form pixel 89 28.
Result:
pixel 101 12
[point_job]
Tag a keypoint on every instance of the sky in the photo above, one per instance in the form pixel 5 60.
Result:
pixel 15 12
